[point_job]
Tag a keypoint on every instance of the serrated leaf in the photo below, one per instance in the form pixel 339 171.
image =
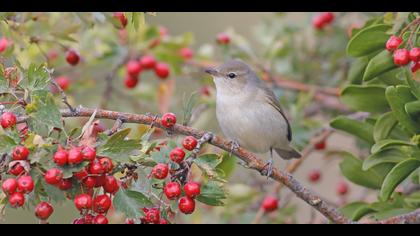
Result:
pixel 54 193
pixel 4 84
pixel 6 143
pixel 212 193
pixel 383 126
pixel 368 40
pixel 131 203
pixel 378 65
pixel 397 175
pixel 68 170
pixel 208 163
pixel 362 130
pixel 118 148
pixel 393 155
pixel 44 112
pixel 370 98
pixel 228 164
pixel 37 77
pixel 388 143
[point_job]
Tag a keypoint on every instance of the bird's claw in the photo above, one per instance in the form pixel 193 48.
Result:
pixel 268 168
pixel 234 145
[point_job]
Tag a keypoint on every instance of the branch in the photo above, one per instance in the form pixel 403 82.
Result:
pixel 252 161
pixel 410 218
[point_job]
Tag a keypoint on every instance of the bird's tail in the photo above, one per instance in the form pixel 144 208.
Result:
pixel 288 154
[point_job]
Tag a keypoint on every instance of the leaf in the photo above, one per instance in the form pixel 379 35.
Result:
pixel 118 148
pixel 37 78
pixel 53 192
pixel 44 112
pixel 370 98
pixel 413 109
pixel 7 143
pixel 414 85
pixel 362 130
pixel 131 203
pixel 388 143
pixel 397 175
pixel 228 164
pixel 368 40
pixel 208 163
pixel 391 213
pixel 378 65
pixel 351 167
pixel 393 155
pixel 68 170
pixel 212 193
pixel 383 126
pixel 356 210
pixel 188 107
pixel 355 75
pixel 4 84
pixel 397 97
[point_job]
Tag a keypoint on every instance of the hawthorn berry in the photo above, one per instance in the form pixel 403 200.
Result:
pixel 270 204
pixel 131 82
pixel 53 176
pixel 9 186
pixel 162 70
pixel 102 203
pixel 401 57
pixel 163 221
pixel 172 190
pixel 192 189
pixel 152 216
pixel 223 38
pixel 323 19
pixel 83 201
pixel 393 43
pixel 3 44
pixel 314 175
pixel 328 17
pixel 43 210
pixel 80 175
pixel 8 119
pixel 121 17
pixel 177 155
pixel 63 82
pixel 186 205
pixel 168 120
pixel 100 181
pixel 89 182
pixel 89 153
pixel 107 164
pixel 129 222
pixel 65 184
pixel 133 68
pixel 160 171
pixel 79 221
pixel 415 54
pixel 96 168
pixel 100 220
pixel 75 156
pixel 189 143
pixel 320 145
pixel 147 62
pixel 111 184
pixel 16 170
pixel 20 153
pixel 342 188
pixel 415 66
pixel 25 184
pixel 88 218
pixel 17 199
pixel 61 157
pixel 186 53
pixel 72 57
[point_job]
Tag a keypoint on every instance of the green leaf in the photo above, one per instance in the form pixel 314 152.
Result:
pixel 370 98
pixel 228 164
pixel 397 175
pixel 131 203
pixel 351 167
pixel 212 193
pixel 391 213
pixel 388 143
pixel 7 143
pixel 118 148
pixel 393 155
pixel 378 65
pixel 383 126
pixel 188 106
pixel 53 192
pixel 413 109
pixel 397 98
pixel 355 75
pixel 414 85
pixel 362 130
pixel 44 111
pixel 356 210
pixel 4 84
pixel 208 163
pixel 37 77
pixel 368 40
pixel 68 170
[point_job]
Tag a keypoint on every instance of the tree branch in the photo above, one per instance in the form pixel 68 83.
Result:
pixel 410 218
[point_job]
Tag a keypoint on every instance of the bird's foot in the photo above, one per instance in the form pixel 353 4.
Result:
pixel 234 145
pixel 268 169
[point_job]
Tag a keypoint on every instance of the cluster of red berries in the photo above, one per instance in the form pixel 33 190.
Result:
pixel 146 62
pixel 151 216
pixel 93 209
pixel 322 20
pixel 403 56
pixel 3 44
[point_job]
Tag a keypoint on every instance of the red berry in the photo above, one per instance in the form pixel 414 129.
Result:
pixel 401 57
pixel 192 189
pixel 415 54
pixel 160 171
pixel 100 181
pixel 147 62
pixel 20 153
pixel 129 222
pixel 172 190
pixel 16 170
pixel 415 66
pixel 320 145
pixel 186 53
pixel 89 218
pixel 9 186
pixel 314 175
pixel 133 68
pixel 43 210
pixel 96 168
pixel 177 155
pixel 72 57
pixel 81 174
pixel 100 220
pixel 121 17
pixel 60 158
pixel 342 188
pixel 163 222
pixel 63 82
pixel 17 199
pixel 131 82
pixel 393 43
pixel 186 205
pixel 168 120
pixel 3 44
pixel 189 143
pixel 65 184
pixel 25 184
pixel 162 70
pixel 152 216
pixel 318 22
pixel 111 184
pixel 75 156
pixel 223 38
pixel 89 153
pixel 8 119
pixel 83 201
pixel 53 176
pixel 205 91
pixel 328 17
pixel 89 182
pixel 102 203
pixel 107 164
pixel 79 221
pixel 270 204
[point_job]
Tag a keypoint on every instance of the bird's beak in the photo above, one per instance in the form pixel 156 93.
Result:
pixel 211 71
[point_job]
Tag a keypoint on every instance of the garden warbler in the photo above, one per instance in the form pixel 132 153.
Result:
pixel 249 113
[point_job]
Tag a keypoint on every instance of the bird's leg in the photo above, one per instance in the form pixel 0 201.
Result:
pixel 269 165
pixel 234 145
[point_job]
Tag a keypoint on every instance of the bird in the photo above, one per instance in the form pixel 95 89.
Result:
pixel 249 113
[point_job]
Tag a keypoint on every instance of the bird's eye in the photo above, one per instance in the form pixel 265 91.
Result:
pixel 231 75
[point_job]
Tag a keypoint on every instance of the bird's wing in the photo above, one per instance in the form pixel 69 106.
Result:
pixel 272 100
